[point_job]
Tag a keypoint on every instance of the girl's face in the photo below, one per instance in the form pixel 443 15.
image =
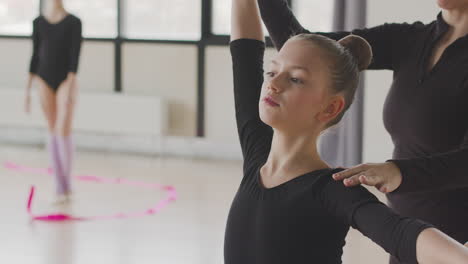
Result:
pixel 295 94
pixel 52 3
pixel 453 4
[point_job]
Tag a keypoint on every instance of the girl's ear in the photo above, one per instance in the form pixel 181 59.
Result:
pixel 333 108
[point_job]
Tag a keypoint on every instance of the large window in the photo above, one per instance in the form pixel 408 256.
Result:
pixel 117 23
pixel 221 17
pixel 99 18
pixel 16 16
pixel 316 15
pixel 152 19
pixel 162 19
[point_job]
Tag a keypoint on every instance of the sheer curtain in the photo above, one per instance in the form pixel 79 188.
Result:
pixel 342 145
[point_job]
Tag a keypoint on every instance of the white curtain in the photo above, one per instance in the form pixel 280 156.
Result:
pixel 342 145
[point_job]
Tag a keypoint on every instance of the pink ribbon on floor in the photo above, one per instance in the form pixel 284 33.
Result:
pixel 58 217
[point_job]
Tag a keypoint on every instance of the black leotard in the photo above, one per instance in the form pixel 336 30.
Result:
pixel 306 219
pixel 56 49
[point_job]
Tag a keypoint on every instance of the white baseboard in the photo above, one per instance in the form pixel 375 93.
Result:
pixel 109 122
pixel 95 113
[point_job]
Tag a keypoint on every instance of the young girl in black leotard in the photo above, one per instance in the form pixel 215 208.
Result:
pixel 56 49
pixel 425 111
pixel 288 209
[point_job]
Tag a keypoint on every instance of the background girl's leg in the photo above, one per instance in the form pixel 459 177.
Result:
pixel 66 97
pixel 49 107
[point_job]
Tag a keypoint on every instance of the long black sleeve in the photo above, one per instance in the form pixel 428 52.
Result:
pixel 387 41
pixel 75 46
pixel 396 234
pixel 247 60
pixel 359 208
pixel 35 54
pixel 438 172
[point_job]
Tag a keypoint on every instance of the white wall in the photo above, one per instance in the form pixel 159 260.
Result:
pixel 14 62
pixel 378 146
pixel 167 71
pixel 96 69
pixel 219 97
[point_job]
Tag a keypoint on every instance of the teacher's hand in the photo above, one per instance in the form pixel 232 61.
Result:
pixel 386 177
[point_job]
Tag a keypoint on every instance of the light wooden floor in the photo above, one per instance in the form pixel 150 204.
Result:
pixel 189 231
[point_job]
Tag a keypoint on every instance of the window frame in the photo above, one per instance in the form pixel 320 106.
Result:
pixel 207 39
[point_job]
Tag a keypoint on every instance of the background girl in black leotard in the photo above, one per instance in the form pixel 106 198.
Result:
pixel 288 209
pixel 56 49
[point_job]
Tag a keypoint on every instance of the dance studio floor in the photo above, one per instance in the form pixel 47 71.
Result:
pixel 188 231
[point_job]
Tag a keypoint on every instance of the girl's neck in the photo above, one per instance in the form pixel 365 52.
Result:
pixel 293 155
pixel 458 21
pixel 55 8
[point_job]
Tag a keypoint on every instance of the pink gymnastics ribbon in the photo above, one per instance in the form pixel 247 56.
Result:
pixel 58 217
